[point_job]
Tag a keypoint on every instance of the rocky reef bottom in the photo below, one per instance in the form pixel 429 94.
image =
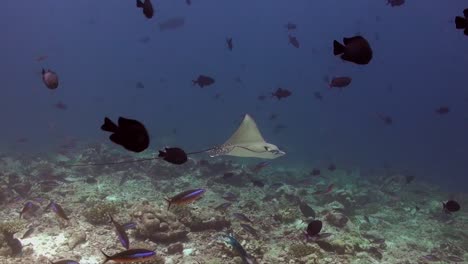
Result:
pixel 378 218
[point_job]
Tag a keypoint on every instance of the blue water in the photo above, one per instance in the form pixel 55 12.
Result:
pixel 96 48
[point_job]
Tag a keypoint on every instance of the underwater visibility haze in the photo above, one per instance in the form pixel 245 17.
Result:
pixel 207 131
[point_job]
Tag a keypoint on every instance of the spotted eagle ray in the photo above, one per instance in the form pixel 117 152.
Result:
pixel 246 142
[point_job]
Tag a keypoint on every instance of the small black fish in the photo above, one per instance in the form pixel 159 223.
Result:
pixel 462 22
pixel 173 155
pixel 293 41
pixel 332 167
pixel 281 93
pixel 451 206
pixel 203 81
pixel 355 49
pixel 129 133
pixel 131 255
pixel 314 228
pixel 306 210
pixel 120 232
pixel 147 8
pixel 229 43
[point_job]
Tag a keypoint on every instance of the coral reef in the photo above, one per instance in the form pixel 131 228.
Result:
pixel 12 227
pixel 159 225
pixel 286 215
pixel 337 219
pixel 76 239
pixel 175 248
pixel 297 251
pixel 9 227
pixel 98 212
pixel 391 219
